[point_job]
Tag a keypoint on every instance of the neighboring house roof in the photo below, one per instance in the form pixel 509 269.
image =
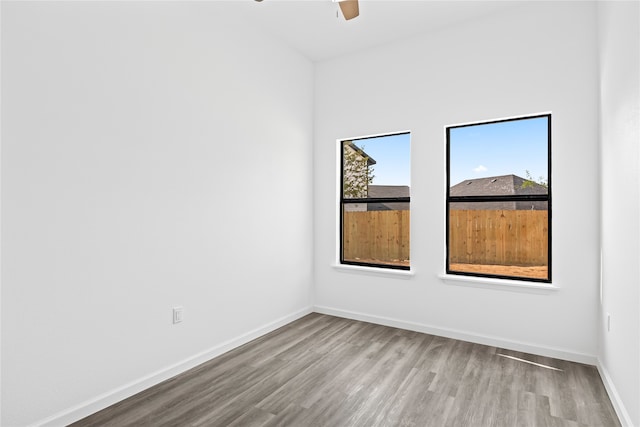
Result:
pixel 388 191
pixel 498 186
pixel 354 147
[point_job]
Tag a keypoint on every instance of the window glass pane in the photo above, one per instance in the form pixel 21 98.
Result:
pixel 375 236
pixel 502 158
pixel 375 228
pixel 499 239
pixel 499 199
pixel 376 167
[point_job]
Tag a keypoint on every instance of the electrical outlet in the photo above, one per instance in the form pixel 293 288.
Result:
pixel 177 314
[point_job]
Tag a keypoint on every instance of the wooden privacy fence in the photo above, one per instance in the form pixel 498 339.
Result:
pixel 498 237
pixel 376 235
pixel 492 237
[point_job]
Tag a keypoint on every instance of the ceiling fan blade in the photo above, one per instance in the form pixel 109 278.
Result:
pixel 349 9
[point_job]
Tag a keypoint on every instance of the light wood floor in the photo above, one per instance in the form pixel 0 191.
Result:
pixel 328 371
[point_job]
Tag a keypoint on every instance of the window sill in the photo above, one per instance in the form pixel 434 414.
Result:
pixel 499 284
pixel 374 271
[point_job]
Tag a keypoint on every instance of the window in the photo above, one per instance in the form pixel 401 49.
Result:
pixel 499 199
pixel 375 201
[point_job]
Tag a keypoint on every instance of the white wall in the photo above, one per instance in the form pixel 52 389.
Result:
pixel 619 45
pixel 532 58
pixel 153 155
pixel 149 149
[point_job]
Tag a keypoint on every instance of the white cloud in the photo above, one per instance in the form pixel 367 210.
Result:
pixel 480 168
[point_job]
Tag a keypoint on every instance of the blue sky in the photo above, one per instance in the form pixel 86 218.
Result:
pixel 393 157
pixel 503 148
pixel 493 149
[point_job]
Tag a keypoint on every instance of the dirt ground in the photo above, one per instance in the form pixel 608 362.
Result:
pixel 404 263
pixel 536 272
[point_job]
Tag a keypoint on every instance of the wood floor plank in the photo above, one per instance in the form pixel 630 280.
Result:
pixel 328 371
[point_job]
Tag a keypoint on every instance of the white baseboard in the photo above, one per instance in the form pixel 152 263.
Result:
pixel 463 336
pixel 619 407
pixel 107 399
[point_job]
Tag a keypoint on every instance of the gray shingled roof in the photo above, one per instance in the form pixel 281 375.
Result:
pixel 385 191
pixel 496 186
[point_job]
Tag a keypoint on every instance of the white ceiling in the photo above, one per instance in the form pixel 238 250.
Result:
pixel 312 28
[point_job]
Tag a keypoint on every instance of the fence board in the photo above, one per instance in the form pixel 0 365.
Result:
pixel 492 237
pixel 498 237
pixel 376 235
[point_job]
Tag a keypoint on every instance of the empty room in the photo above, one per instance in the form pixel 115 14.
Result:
pixel 328 213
